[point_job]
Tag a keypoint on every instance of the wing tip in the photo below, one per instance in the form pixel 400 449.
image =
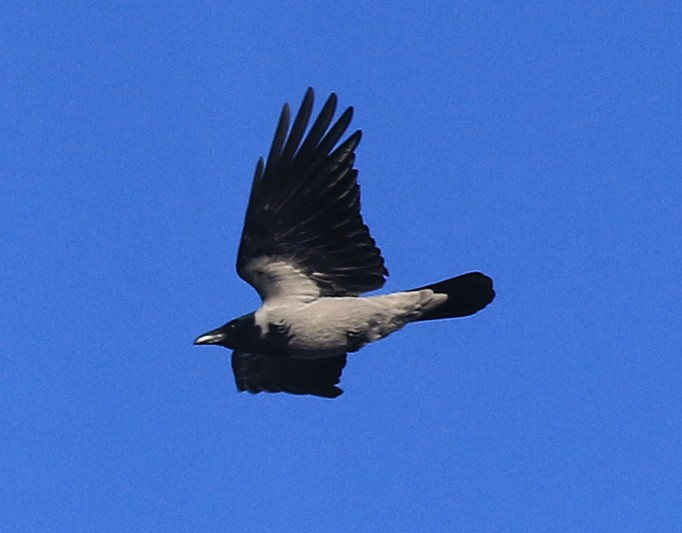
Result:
pixel 329 393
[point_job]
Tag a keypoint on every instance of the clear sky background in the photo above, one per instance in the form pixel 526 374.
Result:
pixel 538 142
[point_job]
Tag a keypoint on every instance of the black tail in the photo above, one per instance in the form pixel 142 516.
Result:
pixel 467 294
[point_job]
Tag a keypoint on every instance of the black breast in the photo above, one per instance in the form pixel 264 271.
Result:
pixel 249 337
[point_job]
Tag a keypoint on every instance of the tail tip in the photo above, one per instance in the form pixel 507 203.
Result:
pixel 467 294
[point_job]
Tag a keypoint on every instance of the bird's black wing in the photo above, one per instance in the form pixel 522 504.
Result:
pixel 303 231
pixel 257 373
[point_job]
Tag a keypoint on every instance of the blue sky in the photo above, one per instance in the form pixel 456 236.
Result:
pixel 537 142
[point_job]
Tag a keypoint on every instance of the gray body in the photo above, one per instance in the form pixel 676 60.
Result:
pixel 333 325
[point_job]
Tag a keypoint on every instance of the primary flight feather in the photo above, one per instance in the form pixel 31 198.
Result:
pixel 308 253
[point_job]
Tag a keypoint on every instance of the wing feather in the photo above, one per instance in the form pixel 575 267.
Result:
pixel 304 210
pixel 257 373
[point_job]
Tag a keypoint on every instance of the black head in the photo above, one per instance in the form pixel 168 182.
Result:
pixel 232 335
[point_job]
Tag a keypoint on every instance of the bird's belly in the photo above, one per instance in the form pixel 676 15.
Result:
pixel 332 326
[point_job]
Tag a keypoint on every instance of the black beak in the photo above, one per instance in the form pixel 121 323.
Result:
pixel 212 337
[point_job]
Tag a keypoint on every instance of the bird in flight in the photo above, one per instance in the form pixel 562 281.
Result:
pixel 308 253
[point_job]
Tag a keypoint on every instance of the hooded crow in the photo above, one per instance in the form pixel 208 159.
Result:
pixel 308 253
